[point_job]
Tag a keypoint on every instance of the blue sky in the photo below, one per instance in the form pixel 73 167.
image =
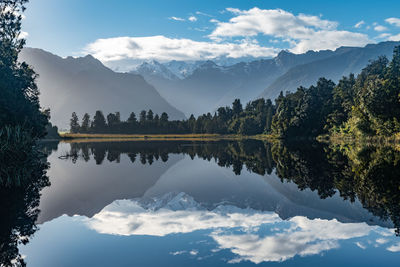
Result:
pixel 202 29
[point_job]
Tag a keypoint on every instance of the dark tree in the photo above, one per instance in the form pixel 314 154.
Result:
pixel 99 122
pixel 142 117
pixel 132 118
pixel 19 95
pixel 85 127
pixel 74 123
pixel 150 115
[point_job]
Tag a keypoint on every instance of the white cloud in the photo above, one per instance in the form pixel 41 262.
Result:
pixel 176 19
pixel 395 38
pixel 381 241
pixel 193 252
pixel 127 218
pixel 394 248
pixel 360 245
pixel 359 24
pixel 306 32
pixel 192 18
pixel 384 35
pixel 304 237
pixel 178 252
pixel 202 14
pixel 165 49
pixel 393 21
pixel 232 228
pixel 380 28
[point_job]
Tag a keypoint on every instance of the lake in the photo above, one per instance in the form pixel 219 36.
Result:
pixel 214 203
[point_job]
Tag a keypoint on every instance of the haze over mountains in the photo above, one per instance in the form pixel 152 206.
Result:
pixel 209 85
pixel 85 85
pixel 184 88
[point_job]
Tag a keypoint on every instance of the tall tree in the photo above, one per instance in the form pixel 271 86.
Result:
pixel 99 122
pixel 150 115
pixel 132 118
pixel 142 117
pixel 74 123
pixel 237 107
pixel 19 95
pixel 85 123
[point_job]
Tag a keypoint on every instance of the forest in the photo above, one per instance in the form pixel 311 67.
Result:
pixel 363 105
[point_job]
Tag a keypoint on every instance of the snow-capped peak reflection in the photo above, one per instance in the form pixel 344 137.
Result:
pixel 172 214
pixel 251 235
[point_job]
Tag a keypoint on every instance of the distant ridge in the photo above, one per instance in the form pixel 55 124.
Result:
pixel 206 85
pixel 85 85
pixel 342 62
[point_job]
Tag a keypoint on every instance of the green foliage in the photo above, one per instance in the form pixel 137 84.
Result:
pixel 255 119
pixel 74 123
pixel 85 123
pixel 19 102
pixel 18 156
pixel 366 105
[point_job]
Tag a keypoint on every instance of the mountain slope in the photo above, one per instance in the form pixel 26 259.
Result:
pixel 342 62
pixel 86 85
pixel 209 85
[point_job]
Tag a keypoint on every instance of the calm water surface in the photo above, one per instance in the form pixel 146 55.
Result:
pixel 217 204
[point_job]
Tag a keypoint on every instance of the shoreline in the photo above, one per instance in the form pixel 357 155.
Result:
pixel 154 137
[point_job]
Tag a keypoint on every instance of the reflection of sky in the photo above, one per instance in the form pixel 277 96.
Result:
pixel 160 228
pixel 175 230
pixel 250 235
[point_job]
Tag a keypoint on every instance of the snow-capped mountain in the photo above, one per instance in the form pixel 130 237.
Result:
pixel 203 86
pixel 156 68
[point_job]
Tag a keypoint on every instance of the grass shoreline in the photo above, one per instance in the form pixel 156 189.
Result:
pixel 333 139
pixel 132 137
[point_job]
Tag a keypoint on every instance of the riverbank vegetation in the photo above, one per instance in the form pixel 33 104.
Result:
pixel 22 120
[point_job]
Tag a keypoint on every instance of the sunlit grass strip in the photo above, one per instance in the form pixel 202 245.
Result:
pixel 138 136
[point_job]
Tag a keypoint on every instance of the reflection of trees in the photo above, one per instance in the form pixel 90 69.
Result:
pixel 370 174
pixel 255 155
pixel 377 181
pixel 19 209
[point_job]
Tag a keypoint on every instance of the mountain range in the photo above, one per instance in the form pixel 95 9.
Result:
pixel 85 85
pixel 182 88
pixel 203 86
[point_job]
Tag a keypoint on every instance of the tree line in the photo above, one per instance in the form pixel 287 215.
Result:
pixel 364 105
pixel 255 118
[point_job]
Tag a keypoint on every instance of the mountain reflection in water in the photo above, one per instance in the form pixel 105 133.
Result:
pixel 260 202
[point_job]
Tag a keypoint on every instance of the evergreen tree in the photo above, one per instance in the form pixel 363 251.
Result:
pixel 99 122
pixel 142 117
pixel 150 115
pixel 132 118
pixel 164 118
pixel 237 107
pixel 85 127
pixel 74 123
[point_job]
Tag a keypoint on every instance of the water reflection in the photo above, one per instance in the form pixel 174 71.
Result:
pixel 19 209
pixel 369 174
pixel 249 234
pixel 253 201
